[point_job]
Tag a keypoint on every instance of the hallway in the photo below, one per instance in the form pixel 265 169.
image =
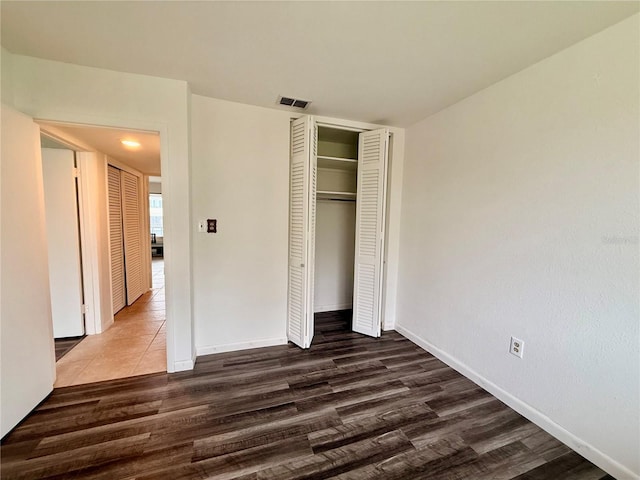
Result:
pixel 134 345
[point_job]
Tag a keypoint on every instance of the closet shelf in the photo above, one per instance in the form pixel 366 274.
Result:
pixel 337 162
pixel 327 195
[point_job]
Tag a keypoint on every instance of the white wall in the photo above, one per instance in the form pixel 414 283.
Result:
pixel 6 81
pixel 335 253
pixel 240 176
pixel 27 361
pixel 520 217
pixel 155 187
pixel 71 93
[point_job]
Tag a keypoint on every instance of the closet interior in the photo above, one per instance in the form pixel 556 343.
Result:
pixel 337 166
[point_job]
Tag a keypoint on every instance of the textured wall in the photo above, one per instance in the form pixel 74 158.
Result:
pixel 520 217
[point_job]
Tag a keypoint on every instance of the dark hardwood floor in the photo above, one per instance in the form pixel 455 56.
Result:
pixel 64 345
pixel 351 407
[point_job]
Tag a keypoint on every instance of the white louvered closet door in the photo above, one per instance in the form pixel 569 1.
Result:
pixel 370 206
pixel 301 209
pixel 131 213
pixel 116 241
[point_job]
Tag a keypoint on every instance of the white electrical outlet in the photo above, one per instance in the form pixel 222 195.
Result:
pixel 517 347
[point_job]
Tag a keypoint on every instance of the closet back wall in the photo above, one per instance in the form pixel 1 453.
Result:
pixel 240 176
pixel 335 250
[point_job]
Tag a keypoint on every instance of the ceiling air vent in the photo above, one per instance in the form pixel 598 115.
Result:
pixel 293 102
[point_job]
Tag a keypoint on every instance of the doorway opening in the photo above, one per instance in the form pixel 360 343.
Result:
pixel 62 221
pixel 124 297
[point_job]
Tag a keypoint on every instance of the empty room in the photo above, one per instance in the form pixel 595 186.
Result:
pixel 400 240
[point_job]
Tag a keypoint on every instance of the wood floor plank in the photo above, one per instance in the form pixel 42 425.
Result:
pixel 369 406
pixel 545 445
pixel 261 434
pixel 211 423
pixel 374 378
pixel 570 466
pixel 346 374
pixel 441 456
pixel 372 426
pixel 71 460
pixel 130 467
pixel 351 407
pixel 237 464
pixel 502 463
pixel 339 460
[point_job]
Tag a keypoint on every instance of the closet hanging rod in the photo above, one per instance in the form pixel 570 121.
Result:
pixel 330 195
pixel 328 199
pixel 338 159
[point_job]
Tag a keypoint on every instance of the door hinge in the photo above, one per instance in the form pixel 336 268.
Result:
pixel 83 309
pixel 76 172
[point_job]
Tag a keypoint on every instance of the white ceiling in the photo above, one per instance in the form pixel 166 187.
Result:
pixel 384 62
pixel 145 158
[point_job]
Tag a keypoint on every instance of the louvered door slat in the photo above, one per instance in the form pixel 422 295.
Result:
pixel 116 240
pixel 132 242
pixel 296 302
pixel 301 185
pixel 372 165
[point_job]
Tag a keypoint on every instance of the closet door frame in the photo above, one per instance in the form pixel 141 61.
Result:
pixel 360 128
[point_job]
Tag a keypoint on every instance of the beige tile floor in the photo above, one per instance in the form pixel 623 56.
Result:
pixel 134 345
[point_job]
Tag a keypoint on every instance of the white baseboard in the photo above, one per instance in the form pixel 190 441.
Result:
pixel 183 365
pixel 332 308
pixel 232 347
pixel 389 327
pixel 592 454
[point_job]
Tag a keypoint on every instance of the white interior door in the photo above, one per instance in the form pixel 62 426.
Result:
pixel 61 211
pixel 116 240
pixel 131 220
pixel 301 214
pixel 370 222
pixel 27 366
